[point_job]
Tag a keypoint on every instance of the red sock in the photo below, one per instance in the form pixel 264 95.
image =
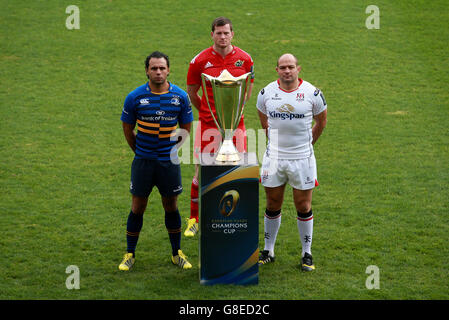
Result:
pixel 194 200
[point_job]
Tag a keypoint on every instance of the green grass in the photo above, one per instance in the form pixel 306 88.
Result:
pixel 382 160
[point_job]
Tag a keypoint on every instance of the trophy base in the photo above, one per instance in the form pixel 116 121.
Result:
pixel 227 152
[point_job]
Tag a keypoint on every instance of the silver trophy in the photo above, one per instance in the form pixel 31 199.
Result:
pixel 229 97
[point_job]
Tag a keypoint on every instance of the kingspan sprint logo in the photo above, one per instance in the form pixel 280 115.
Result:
pixel 286 111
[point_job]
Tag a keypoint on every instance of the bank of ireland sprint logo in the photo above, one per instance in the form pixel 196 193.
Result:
pixel 228 203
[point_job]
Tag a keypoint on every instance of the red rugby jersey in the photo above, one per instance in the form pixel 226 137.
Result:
pixel 208 61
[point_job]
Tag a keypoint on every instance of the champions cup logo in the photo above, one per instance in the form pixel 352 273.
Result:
pixel 228 203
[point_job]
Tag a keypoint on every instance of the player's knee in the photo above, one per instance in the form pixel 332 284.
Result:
pixel 138 209
pixel 170 204
pixel 139 204
pixel 274 204
pixel 303 206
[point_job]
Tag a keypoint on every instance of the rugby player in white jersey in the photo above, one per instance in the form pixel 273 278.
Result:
pixel 287 108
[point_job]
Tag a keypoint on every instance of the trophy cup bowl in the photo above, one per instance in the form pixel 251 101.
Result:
pixel 229 94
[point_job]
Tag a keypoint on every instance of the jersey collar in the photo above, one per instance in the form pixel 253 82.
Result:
pixel 299 84
pixel 215 53
pixel 170 88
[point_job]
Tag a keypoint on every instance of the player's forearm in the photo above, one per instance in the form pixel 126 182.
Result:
pixel 263 121
pixel 196 101
pixel 248 93
pixel 130 135
pixel 182 134
pixel 317 130
pixel 320 124
pixel 131 139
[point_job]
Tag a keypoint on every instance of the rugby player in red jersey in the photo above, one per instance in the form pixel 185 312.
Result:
pixel 212 61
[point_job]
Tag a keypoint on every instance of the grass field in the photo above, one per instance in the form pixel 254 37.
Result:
pixel 383 160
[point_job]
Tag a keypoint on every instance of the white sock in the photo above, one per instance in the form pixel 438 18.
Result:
pixel 272 222
pixel 305 229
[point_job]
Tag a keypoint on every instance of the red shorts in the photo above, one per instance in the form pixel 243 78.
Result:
pixel 208 139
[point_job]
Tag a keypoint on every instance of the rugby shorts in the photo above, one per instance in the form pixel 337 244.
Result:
pixel 145 174
pixel 301 174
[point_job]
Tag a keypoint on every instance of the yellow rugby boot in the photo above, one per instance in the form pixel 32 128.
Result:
pixel 127 263
pixel 192 228
pixel 181 260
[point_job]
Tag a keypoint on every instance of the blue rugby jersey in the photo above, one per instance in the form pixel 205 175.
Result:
pixel 157 116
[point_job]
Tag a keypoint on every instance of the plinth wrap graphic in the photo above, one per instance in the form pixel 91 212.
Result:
pixel 229 223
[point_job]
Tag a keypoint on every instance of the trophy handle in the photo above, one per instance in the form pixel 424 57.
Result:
pixel 210 79
pixel 245 79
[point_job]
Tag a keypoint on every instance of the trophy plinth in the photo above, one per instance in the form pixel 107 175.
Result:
pixel 229 94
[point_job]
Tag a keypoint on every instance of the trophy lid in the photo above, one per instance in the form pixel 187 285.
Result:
pixel 226 77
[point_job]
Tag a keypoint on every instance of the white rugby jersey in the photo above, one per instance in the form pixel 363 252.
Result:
pixel 290 115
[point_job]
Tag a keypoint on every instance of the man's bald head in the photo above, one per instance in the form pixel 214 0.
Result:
pixel 287 58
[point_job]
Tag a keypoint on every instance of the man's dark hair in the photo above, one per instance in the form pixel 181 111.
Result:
pixel 158 55
pixel 220 22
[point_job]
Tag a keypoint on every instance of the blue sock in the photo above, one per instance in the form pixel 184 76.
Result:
pixel 133 227
pixel 173 225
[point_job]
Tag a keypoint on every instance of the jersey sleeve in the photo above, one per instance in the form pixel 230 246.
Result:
pixel 319 102
pixel 194 72
pixel 261 102
pixel 186 115
pixel 128 112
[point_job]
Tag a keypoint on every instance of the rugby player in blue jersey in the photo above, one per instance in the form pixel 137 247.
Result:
pixel 156 107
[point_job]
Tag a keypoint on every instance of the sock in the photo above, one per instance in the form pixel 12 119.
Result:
pixel 194 200
pixel 272 222
pixel 133 227
pixel 305 229
pixel 173 225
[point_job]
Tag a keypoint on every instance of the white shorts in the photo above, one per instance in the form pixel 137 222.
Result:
pixel 301 174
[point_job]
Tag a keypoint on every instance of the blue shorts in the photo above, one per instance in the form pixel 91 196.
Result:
pixel 145 174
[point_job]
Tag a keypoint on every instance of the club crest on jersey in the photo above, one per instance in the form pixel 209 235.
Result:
pixel 239 63
pixel 175 101
pixel 300 97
